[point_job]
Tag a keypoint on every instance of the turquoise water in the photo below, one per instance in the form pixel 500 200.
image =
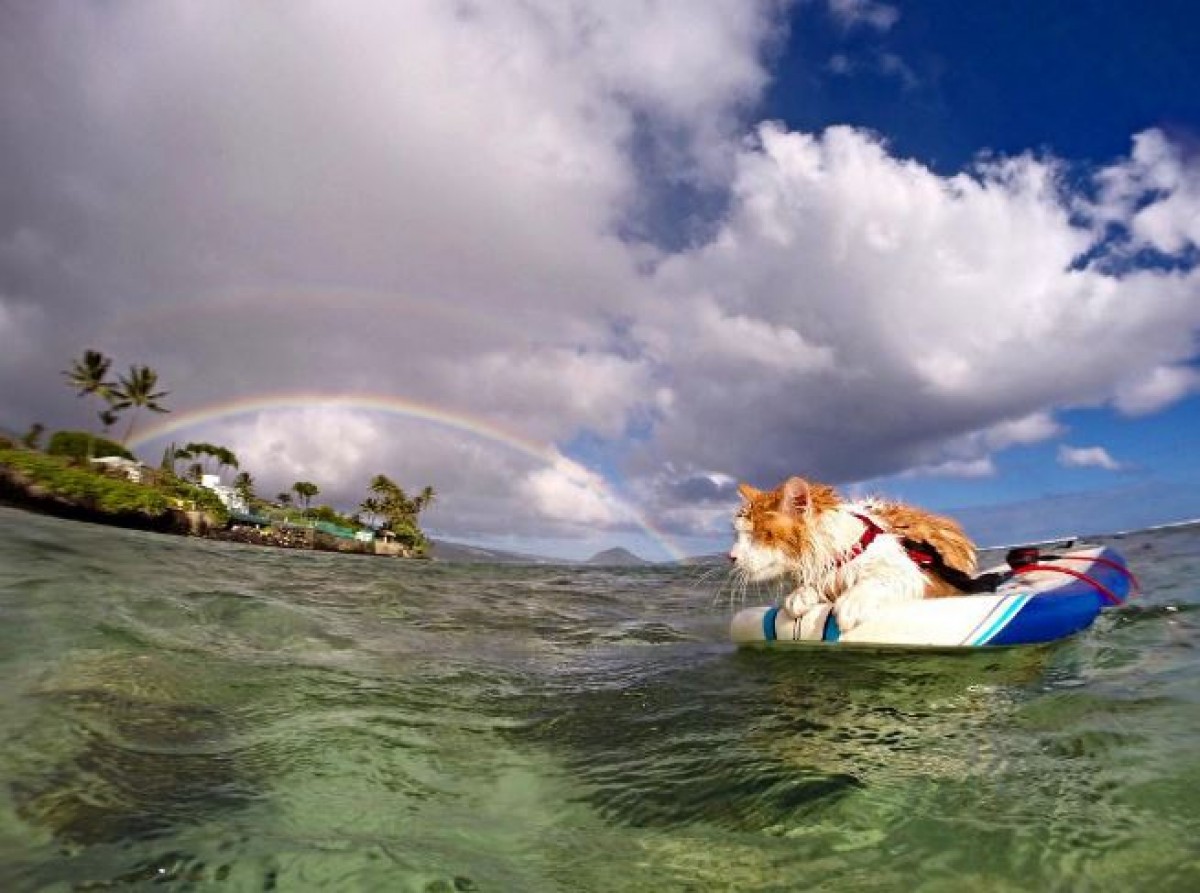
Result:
pixel 183 714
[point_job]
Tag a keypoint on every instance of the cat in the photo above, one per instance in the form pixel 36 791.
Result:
pixel 852 554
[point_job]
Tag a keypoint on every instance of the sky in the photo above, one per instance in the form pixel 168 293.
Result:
pixel 582 267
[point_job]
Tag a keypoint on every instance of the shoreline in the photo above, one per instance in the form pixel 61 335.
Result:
pixel 19 492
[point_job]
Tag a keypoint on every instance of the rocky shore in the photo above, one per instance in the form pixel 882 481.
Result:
pixel 19 491
pixel 304 538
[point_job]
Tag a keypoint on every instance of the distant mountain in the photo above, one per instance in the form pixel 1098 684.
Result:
pixel 617 558
pixel 463 554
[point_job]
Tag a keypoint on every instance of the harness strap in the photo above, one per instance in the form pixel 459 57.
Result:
pixel 929 559
pixel 1107 562
pixel 870 532
pixel 1108 594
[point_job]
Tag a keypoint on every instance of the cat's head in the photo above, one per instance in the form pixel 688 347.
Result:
pixel 774 528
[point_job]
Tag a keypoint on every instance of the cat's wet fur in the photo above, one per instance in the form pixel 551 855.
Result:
pixel 806 533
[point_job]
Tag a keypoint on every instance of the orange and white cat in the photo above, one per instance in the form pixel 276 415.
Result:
pixel 859 555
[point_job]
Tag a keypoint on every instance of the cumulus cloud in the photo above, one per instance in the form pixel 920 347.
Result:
pixel 1087 457
pixel 1154 194
pixel 955 313
pixel 327 445
pixel 565 491
pixel 1153 389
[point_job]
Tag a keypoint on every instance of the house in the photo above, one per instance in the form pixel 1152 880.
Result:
pixel 386 544
pixel 129 467
pixel 229 497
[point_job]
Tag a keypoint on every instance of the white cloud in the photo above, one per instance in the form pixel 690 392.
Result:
pixel 871 13
pixel 1087 457
pixel 330 447
pixel 957 468
pixel 575 498
pixel 950 306
pixel 1155 389
pixel 1155 193
pixel 1033 428
pixel 553 390
pixel 970 456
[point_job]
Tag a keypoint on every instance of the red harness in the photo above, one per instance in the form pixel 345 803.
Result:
pixel 918 556
pixel 1027 564
pixel 870 532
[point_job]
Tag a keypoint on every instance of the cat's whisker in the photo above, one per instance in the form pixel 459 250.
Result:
pixel 726 583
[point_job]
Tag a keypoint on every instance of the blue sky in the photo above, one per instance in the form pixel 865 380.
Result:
pixel 636 252
pixel 949 81
pixel 1076 78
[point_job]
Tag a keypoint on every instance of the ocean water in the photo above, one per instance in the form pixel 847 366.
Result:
pixel 190 715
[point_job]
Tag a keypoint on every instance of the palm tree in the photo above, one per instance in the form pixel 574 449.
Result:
pixel 425 499
pixel 244 485
pixel 306 491
pixel 89 375
pixel 136 390
pixel 384 486
pixel 31 437
pixel 372 508
pixel 284 499
pixel 226 458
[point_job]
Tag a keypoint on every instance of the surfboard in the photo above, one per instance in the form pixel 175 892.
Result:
pixel 1051 598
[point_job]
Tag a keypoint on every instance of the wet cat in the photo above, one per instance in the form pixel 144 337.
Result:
pixel 859 555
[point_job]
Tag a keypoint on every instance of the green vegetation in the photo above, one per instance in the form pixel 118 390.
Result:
pixel 398 512
pixel 209 454
pixel 193 497
pixel 306 490
pixel 59 477
pixel 243 485
pixel 66 469
pixel 81 445
pixel 108 492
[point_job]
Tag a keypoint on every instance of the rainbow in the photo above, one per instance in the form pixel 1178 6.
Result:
pixel 171 425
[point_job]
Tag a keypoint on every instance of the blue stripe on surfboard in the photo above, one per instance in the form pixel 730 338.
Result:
pixel 969 638
pixel 1050 617
pixel 1014 605
pixel 831 632
pixel 768 626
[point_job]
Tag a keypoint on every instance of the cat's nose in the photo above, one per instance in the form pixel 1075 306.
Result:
pixel 732 557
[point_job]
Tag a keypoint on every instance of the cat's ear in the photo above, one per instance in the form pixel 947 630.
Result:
pixel 748 493
pixel 794 499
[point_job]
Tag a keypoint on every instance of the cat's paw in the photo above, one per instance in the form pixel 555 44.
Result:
pixel 801 599
pixel 856 606
pixel 849 614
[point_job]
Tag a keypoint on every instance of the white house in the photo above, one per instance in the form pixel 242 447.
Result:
pixel 229 497
pixel 131 469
